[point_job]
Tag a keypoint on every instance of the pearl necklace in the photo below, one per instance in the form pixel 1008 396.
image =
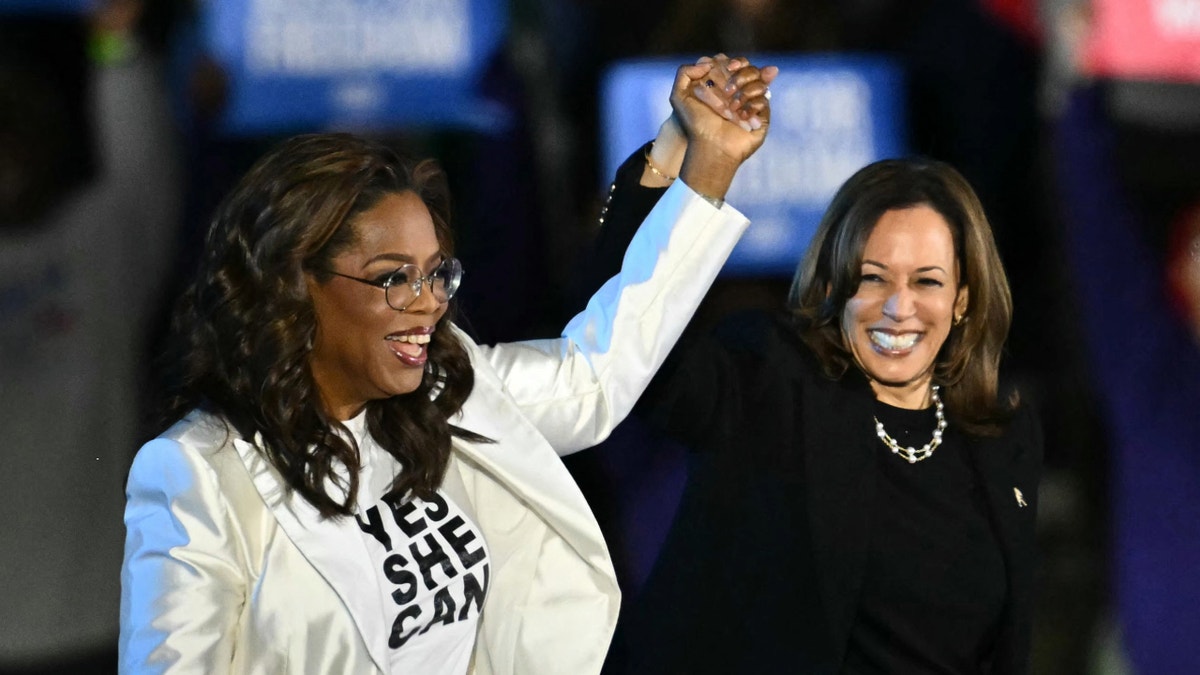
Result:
pixel 914 455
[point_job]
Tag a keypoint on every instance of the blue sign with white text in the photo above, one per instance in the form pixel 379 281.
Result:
pixel 358 64
pixel 830 116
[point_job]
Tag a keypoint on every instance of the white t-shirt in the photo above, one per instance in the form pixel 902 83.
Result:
pixel 430 559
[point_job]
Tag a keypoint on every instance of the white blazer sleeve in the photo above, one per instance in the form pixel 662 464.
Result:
pixel 576 388
pixel 181 589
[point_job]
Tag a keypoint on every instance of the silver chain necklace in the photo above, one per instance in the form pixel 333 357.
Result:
pixel 914 455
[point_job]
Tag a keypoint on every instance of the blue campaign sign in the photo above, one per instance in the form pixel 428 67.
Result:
pixel 830 116
pixel 46 6
pixel 318 64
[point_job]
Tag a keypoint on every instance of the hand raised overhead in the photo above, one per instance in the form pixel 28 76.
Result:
pixel 723 106
pixel 737 89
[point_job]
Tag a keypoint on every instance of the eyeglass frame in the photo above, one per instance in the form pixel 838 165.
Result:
pixel 416 285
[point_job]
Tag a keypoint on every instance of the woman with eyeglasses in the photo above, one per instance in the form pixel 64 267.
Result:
pixel 354 485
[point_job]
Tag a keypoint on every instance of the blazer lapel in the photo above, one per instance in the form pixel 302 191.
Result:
pixel 1011 493
pixel 840 487
pixel 527 467
pixel 517 475
pixel 333 546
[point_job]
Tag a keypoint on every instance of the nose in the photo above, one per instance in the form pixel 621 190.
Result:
pixel 900 304
pixel 425 302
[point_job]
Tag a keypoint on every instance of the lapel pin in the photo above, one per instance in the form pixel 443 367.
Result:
pixel 1020 497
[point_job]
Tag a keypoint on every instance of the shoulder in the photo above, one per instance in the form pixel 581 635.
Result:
pixel 193 522
pixel 194 451
pixel 770 339
pixel 1023 424
pixel 1025 430
pixel 752 361
pixel 475 351
pixel 1018 448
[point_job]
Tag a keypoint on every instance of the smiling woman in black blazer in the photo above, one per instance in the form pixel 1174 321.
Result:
pixel 861 494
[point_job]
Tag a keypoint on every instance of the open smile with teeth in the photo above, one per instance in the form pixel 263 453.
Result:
pixel 410 347
pixel 892 342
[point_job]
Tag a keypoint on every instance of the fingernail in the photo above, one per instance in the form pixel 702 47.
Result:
pixel 755 123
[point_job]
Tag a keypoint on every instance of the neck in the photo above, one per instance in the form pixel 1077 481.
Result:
pixel 340 408
pixel 911 395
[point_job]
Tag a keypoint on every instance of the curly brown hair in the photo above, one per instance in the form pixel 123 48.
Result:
pixel 244 329
pixel 967 366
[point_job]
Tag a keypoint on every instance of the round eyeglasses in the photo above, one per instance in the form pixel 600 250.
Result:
pixel 403 285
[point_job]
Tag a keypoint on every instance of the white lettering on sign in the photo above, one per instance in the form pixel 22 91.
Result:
pixel 810 172
pixel 1178 18
pixel 359 96
pixel 306 38
pixel 824 102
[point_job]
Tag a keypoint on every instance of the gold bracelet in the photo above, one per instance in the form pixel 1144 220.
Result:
pixel 654 169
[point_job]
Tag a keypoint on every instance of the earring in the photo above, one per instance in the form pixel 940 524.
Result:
pixel 958 319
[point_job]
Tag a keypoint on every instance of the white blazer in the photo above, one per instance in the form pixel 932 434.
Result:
pixel 226 571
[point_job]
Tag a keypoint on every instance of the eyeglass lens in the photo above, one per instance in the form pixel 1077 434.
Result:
pixel 406 283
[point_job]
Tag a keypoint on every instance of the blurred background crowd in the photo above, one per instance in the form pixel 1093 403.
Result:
pixel 123 122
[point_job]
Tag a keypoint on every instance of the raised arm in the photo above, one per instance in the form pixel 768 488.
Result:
pixel 577 388
pixel 645 176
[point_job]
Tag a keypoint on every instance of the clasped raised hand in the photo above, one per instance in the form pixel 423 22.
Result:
pixel 723 106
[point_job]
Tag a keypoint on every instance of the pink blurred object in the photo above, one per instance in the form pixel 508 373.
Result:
pixel 1144 40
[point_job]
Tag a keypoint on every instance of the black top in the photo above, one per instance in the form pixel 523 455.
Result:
pixel 934 584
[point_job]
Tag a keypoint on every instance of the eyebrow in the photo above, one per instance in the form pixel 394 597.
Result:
pixel 927 268
pixel 404 259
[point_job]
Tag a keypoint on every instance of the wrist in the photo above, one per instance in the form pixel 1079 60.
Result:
pixel 658 177
pixel 708 171
pixel 664 156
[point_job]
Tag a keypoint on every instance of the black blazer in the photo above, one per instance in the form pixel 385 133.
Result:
pixel 762 569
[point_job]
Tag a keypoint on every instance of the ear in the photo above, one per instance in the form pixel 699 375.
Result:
pixel 960 303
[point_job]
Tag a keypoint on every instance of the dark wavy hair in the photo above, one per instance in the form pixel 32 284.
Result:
pixel 243 330
pixel 967 366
